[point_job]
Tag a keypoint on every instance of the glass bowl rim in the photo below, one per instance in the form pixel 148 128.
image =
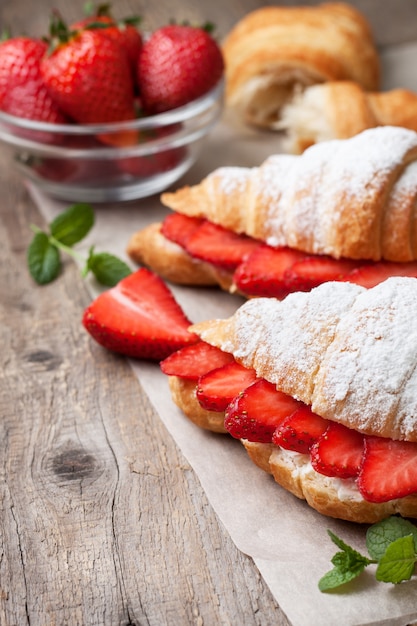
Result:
pixel 186 112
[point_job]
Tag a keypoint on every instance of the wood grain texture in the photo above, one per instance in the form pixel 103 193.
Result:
pixel 102 520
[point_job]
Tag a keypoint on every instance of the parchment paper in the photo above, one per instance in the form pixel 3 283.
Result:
pixel 287 540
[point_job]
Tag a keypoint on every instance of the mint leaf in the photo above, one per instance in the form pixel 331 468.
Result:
pixel 335 578
pixel 381 534
pixel 349 563
pixel 398 562
pixel 107 269
pixel 43 259
pixel 72 225
pixel 67 229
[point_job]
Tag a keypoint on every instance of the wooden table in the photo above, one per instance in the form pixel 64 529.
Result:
pixel 102 519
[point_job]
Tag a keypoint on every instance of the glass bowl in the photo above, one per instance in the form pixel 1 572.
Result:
pixel 111 162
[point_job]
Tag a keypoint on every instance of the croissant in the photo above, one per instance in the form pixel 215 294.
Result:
pixel 342 109
pixel 352 199
pixel 349 354
pixel 274 51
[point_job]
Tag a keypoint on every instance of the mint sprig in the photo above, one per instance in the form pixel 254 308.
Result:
pixel 66 230
pixel 392 547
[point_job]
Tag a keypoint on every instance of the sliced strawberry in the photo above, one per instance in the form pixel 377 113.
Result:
pixel 263 272
pixel 178 228
pixel 300 430
pixel 257 411
pixel 216 389
pixel 312 271
pixel 139 317
pixel 389 469
pixel 338 452
pixel 372 274
pixel 219 246
pixel 195 360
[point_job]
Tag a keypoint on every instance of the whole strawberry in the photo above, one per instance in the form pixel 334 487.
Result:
pixel 22 90
pixel 124 31
pixel 88 75
pixel 177 65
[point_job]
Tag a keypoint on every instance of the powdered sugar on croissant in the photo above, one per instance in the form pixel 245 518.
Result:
pixel 347 351
pixel 337 198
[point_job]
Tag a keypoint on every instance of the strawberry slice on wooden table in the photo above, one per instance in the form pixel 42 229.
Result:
pixel 264 271
pixel 216 389
pixel 195 360
pixel 219 246
pixel 389 469
pixel 177 64
pixel 256 412
pixel 139 318
pixel 338 452
pixel 300 430
pixel 371 274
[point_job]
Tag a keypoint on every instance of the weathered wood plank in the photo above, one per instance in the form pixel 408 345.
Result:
pixel 102 520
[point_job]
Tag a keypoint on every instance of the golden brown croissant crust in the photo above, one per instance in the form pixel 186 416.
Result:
pixel 274 50
pixel 334 349
pixel 353 198
pixel 346 351
pixel 342 109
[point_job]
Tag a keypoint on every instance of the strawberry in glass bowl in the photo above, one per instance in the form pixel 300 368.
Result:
pixel 94 125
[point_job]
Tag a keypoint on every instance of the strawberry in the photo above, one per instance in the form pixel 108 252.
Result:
pixel 389 469
pixel 139 317
pixel 263 272
pixel 311 271
pixel 22 90
pixel 74 170
pixel 219 246
pixel 160 158
pixel 216 389
pixel 178 227
pixel 300 430
pixel 152 164
pixel 193 361
pixel 338 452
pixel 124 31
pixel 88 75
pixel 177 64
pixel 257 411
pixel 372 274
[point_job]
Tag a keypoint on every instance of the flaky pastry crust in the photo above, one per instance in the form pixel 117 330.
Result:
pixel 349 198
pixel 342 109
pixel 275 50
pixel 346 351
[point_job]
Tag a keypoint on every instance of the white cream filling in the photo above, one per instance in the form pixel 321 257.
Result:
pixel 301 470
